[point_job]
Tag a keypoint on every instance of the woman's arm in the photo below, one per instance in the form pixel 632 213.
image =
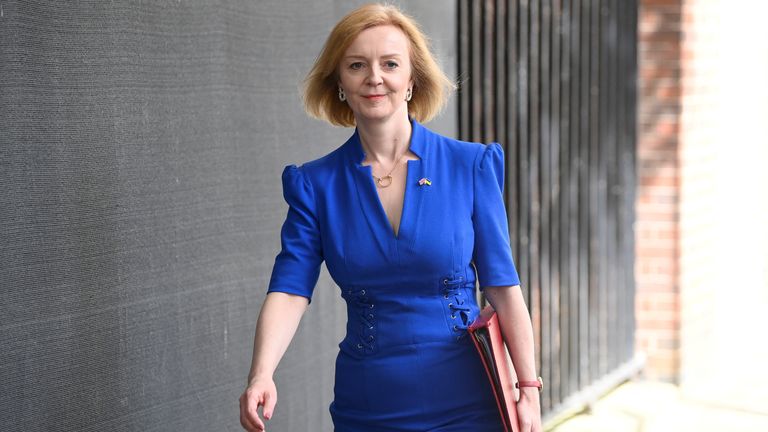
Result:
pixel 278 320
pixel 516 327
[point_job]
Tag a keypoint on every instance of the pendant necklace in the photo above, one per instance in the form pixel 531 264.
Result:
pixel 385 181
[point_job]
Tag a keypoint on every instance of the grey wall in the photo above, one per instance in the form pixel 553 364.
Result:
pixel 141 146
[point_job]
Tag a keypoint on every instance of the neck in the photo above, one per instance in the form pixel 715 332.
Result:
pixel 385 141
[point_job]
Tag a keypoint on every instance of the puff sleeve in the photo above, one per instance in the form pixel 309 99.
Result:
pixel 492 254
pixel 297 266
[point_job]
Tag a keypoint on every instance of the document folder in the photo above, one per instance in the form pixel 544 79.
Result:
pixel 486 334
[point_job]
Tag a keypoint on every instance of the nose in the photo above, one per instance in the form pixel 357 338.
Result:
pixel 374 76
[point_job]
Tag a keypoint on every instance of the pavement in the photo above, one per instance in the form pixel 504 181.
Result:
pixel 645 406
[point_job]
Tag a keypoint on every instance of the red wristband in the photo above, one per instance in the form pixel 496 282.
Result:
pixel 539 384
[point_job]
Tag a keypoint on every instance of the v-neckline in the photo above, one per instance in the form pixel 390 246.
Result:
pixel 372 206
pixel 383 211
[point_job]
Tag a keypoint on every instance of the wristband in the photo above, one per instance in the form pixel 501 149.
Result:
pixel 539 384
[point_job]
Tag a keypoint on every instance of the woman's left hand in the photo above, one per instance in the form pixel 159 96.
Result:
pixel 528 410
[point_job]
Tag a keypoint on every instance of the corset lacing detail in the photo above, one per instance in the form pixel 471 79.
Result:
pixel 365 309
pixel 454 296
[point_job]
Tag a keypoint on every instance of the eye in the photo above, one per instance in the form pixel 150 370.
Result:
pixel 356 66
pixel 391 65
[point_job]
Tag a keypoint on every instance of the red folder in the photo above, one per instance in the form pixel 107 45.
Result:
pixel 486 334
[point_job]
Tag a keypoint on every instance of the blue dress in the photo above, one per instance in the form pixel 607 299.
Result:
pixel 407 362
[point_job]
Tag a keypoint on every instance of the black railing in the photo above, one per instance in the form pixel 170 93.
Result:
pixel 554 83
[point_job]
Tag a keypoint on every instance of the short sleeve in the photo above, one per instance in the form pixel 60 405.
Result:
pixel 492 254
pixel 297 266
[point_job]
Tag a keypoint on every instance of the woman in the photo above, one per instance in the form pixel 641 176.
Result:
pixel 406 221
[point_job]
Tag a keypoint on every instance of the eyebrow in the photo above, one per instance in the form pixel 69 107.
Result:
pixel 357 56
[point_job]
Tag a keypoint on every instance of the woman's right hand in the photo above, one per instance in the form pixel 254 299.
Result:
pixel 260 392
pixel 278 320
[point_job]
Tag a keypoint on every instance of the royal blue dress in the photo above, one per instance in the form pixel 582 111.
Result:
pixel 407 362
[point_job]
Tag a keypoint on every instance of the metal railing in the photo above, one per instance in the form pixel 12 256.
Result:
pixel 554 82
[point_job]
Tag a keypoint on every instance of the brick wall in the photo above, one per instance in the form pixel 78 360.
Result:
pixel 657 227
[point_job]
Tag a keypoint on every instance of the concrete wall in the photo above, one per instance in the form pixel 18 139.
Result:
pixel 141 148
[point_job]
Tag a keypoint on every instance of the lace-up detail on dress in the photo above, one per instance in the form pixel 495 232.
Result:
pixel 455 301
pixel 365 311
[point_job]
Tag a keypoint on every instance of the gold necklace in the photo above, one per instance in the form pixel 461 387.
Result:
pixel 385 181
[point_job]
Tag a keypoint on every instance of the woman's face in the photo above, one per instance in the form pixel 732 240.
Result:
pixel 375 73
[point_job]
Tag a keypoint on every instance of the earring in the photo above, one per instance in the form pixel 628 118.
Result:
pixel 408 95
pixel 342 95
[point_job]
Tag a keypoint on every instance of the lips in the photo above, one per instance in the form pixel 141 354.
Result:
pixel 374 97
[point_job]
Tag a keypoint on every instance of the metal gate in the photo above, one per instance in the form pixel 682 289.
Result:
pixel 554 82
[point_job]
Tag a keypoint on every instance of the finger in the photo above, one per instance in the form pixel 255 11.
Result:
pixel 249 406
pixel 270 400
pixel 245 420
pixel 246 423
pixel 253 415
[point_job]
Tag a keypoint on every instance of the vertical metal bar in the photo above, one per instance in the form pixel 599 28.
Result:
pixel 578 290
pixel 568 326
pixel 545 193
pixel 630 153
pixel 501 131
pixel 616 187
pixel 464 69
pixel 489 69
pixel 586 344
pixel 604 149
pixel 523 145
pixel 513 134
pixel 476 74
pixel 613 183
pixel 534 144
pixel 596 201
pixel 553 81
pixel 555 364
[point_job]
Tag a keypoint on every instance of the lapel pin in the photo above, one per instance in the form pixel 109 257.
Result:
pixel 425 181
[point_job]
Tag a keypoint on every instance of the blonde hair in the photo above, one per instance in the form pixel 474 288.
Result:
pixel 431 86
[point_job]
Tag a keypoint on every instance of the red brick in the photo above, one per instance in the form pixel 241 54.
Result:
pixel 671 181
